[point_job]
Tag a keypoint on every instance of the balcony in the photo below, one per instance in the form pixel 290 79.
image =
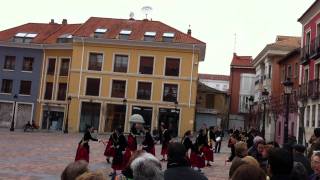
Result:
pixel 310 51
pixel 310 90
pixel 207 110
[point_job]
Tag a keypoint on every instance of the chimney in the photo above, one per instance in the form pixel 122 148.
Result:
pixel 189 30
pixel 52 21
pixel 64 22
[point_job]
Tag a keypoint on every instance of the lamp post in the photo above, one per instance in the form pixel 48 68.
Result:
pixel 265 95
pixel 251 99
pixel 14 112
pixel 287 91
pixel 67 118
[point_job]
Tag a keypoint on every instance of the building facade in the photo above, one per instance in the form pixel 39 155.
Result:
pixel 310 71
pixel 125 67
pixel 268 78
pixel 241 83
pixel 289 68
pixel 219 82
pixel 212 107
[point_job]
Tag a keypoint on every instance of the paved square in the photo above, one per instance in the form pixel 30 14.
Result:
pixel 44 155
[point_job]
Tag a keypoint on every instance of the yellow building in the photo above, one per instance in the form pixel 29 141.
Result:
pixel 51 109
pixel 122 67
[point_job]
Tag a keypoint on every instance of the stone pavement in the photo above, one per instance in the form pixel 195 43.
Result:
pixel 44 155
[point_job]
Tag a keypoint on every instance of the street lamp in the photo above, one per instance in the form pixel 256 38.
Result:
pixel 287 91
pixel 14 111
pixel 251 99
pixel 265 95
pixel 67 118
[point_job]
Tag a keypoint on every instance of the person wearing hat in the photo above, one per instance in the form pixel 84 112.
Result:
pixel 298 156
pixel 178 166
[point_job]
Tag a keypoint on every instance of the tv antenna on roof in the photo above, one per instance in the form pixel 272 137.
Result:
pixel 146 10
pixel 235 43
pixel 131 15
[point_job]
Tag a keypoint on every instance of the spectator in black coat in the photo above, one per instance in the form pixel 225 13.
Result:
pixel 281 164
pixel 178 166
pixel 298 156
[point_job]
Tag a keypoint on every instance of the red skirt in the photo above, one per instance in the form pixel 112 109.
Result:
pixel 196 160
pixel 164 149
pixel 82 153
pixel 126 157
pixel 208 153
pixel 109 151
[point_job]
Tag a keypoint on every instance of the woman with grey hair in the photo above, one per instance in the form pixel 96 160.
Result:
pixel 146 167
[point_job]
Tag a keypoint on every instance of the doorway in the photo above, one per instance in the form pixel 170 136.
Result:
pixel 170 118
pixel 90 115
pixel 115 117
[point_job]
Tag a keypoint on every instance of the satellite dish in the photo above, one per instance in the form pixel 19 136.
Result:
pixel 146 10
pixel 131 15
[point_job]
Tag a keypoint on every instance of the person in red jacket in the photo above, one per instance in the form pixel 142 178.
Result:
pixel 109 151
pixel 148 143
pixel 166 138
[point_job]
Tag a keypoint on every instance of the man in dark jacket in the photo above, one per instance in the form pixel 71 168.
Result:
pixel 178 166
pixel 281 164
pixel 298 156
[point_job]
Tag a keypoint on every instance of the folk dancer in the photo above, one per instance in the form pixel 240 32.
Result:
pixel 120 145
pixel 166 138
pixel 110 150
pixel 203 141
pixel 197 158
pixel 218 140
pixel 83 149
pixel 148 143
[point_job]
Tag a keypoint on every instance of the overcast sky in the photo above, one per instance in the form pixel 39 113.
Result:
pixel 256 22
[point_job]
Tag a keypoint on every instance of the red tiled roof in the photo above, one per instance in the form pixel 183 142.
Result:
pixel 214 77
pixel 64 29
pixel 244 61
pixel 138 28
pixel 43 31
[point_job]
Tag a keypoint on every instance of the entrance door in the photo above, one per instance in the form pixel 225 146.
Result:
pixel 116 116
pixel 170 118
pixel 90 115
pixel 23 115
pixel 5 114
pixel 145 112
pixel 55 119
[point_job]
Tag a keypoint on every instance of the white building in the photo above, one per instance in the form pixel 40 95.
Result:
pixel 219 82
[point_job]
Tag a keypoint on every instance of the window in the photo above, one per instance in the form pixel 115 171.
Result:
pixel 296 70
pixel 9 62
pixel 27 64
pixel 279 128
pixel 210 101
pixel 93 87
pixel 124 34
pixel 51 66
pixel 120 63
pixel 6 86
pixel 149 36
pixel 95 61
pixel 313 120
pixel 24 37
pixel 308 40
pixel 146 65
pixel 172 67
pixel 170 92
pixel 118 89
pixel 144 90
pixel 62 91
pixel 308 116
pixel 64 67
pixel 48 93
pixel 65 38
pixel 99 32
pixel 283 73
pixel 269 71
pixel 168 37
pixel 289 72
pixel 25 88
pixel 306 76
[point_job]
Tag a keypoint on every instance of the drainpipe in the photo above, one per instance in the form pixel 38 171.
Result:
pixel 191 77
pixel 79 89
